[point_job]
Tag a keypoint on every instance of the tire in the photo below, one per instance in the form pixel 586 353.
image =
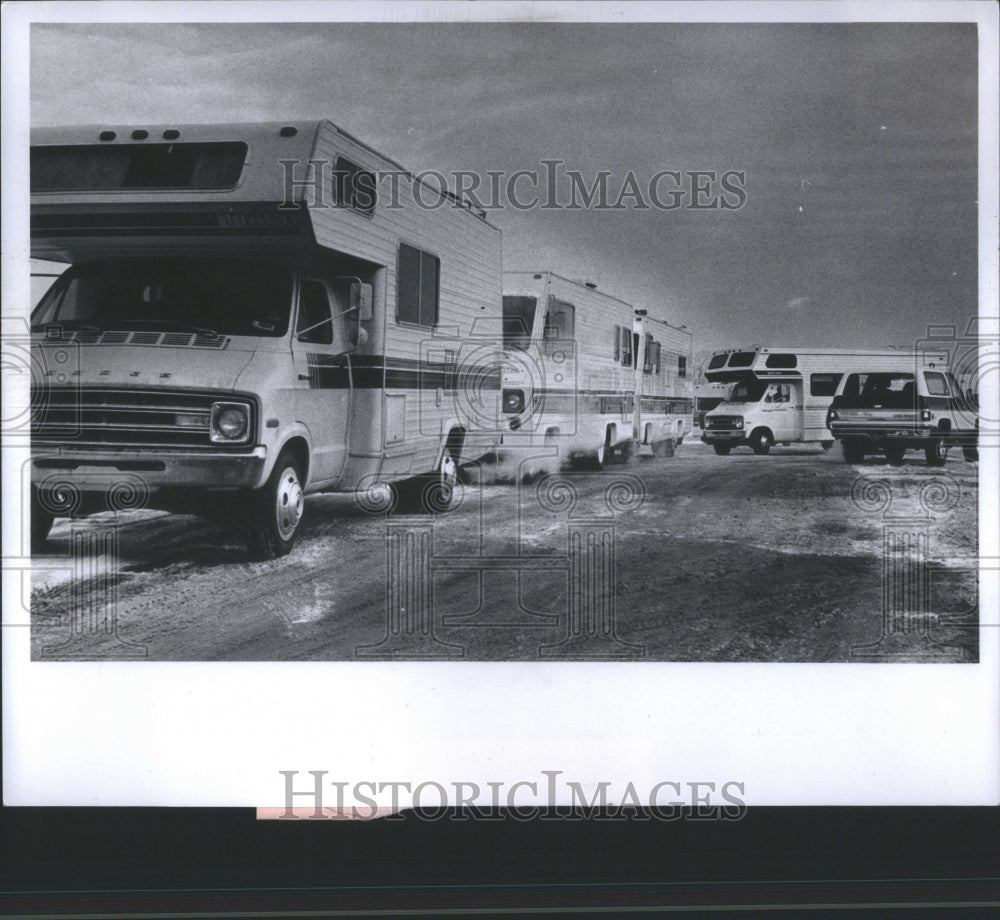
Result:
pixel 722 448
pixel 432 493
pixel 854 450
pixel 663 448
pixel 592 461
pixel 895 454
pixel 971 454
pixel 936 452
pixel 276 511
pixel 761 441
pixel 41 522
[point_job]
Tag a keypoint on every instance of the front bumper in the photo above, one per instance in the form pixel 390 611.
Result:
pixel 98 470
pixel 709 436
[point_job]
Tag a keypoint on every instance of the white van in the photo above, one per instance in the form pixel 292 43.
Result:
pixel 780 394
pixel 249 317
pixel 587 375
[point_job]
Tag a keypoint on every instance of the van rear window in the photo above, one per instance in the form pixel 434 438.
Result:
pixel 155 166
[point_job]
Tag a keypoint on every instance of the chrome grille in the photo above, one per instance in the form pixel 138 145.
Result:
pixel 124 418
pixel 722 422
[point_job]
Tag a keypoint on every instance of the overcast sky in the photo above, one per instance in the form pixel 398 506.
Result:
pixel 858 143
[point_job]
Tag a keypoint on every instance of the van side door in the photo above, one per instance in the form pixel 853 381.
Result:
pixel 323 373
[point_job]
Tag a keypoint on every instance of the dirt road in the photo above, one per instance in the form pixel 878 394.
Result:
pixel 791 557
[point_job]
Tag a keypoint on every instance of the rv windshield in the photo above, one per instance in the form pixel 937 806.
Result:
pixel 748 392
pixel 207 296
pixel 518 320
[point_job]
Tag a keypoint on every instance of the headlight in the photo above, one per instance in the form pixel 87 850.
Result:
pixel 513 401
pixel 831 415
pixel 230 422
pixel 739 423
pixel 926 415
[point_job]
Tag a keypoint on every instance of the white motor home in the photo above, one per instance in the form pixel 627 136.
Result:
pixel 586 375
pixel 251 315
pixel 780 394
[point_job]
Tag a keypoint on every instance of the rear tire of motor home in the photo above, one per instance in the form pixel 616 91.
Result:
pixel 895 455
pixel 936 453
pixel 592 461
pixel 276 511
pixel 761 441
pixel 722 449
pixel 854 451
pixel 432 493
pixel 971 454
pixel 41 522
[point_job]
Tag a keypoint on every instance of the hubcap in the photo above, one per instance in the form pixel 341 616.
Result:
pixel 289 503
pixel 449 472
pixel 600 454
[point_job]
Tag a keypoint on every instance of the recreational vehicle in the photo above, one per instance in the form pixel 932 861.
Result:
pixel 249 316
pixel 913 404
pixel 587 376
pixel 780 395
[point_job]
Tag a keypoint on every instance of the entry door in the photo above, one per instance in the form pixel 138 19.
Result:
pixel 323 372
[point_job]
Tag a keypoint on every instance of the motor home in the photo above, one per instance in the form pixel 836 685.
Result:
pixel 586 375
pixel 914 404
pixel 251 317
pixel 780 394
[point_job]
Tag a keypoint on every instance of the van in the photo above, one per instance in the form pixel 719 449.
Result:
pixel 251 319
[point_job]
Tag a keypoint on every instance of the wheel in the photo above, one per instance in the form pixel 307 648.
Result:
pixel 936 452
pixel 591 461
pixel 894 454
pixel 666 448
pixel 722 448
pixel 761 441
pixel 623 453
pixel 826 445
pixel 854 450
pixel 971 454
pixel 41 522
pixel 432 493
pixel 276 511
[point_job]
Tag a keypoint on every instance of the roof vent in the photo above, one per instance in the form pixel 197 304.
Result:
pixel 590 284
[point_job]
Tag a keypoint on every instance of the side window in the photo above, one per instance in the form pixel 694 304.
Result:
pixel 315 324
pixel 417 286
pixel 626 346
pixel 647 360
pixel 784 393
pixel 682 366
pixel 936 384
pixel 656 357
pixel 353 187
pixel 560 322
pixel 823 384
pixel 618 343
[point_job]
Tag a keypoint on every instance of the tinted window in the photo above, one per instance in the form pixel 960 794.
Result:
pixel 780 361
pixel 417 287
pixel 741 358
pixel 231 297
pixel 83 168
pixel 884 390
pixel 682 365
pixel 717 362
pixel 518 320
pixel 936 384
pixel 353 187
pixel 314 323
pixel 823 384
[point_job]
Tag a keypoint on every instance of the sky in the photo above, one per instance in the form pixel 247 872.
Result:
pixel 858 145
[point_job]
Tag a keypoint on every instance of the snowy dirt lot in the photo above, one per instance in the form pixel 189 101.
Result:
pixel 795 556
